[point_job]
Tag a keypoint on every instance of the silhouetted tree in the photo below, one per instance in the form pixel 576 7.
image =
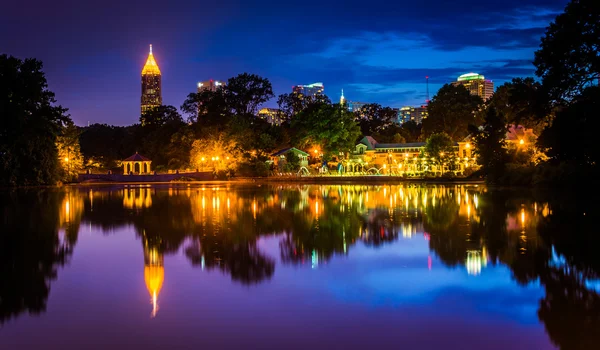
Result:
pixel 452 110
pixel 30 124
pixel 568 59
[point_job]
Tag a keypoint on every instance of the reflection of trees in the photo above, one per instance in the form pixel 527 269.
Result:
pixel 31 247
pixel 556 247
pixel 570 309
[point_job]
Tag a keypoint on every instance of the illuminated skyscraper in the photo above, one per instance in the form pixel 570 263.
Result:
pixel 416 114
pixel 476 84
pixel 211 85
pixel 309 90
pixel 151 84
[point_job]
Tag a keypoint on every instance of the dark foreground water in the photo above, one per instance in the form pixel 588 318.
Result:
pixel 297 267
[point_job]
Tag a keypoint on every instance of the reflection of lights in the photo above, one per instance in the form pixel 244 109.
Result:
pixel 523 217
pixel 475 200
pixel 314 259
pixel 476 260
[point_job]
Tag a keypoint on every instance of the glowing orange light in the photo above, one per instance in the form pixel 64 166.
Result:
pixel 468 145
pixel 521 141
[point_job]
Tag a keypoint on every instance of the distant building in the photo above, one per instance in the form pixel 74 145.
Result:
pixel 354 106
pixel 342 98
pixel 271 115
pixel 151 84
pixel 211 85
pixel 309 90
pixel 476 84
pixel 416 114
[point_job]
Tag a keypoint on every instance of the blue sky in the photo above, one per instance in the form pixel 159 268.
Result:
pixel 377 51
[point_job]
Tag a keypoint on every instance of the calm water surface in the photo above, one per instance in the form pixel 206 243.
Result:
pixel 297 267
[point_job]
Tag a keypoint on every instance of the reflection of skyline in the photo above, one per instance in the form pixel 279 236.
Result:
pixel 218 228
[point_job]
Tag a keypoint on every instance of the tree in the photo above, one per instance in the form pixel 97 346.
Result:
pixel 440 148
pixel 103 145
pixel 294 103
pixel 523 102
pixel 156 135
pixel 245 92
pixel 331 128
pixel 69 152
pixel 411 131
pixel 452 110
pixel 218 153
pixel 490 145
pixel 29 125
pixel 160 116
pixel 568 59
pixel 372 118
pixel 571 137
pixel 207 108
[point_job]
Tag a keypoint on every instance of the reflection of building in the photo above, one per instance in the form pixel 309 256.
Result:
pixel 403 158
pixel 476 84
pixel 154 274
pixel 415 114
pixel 271 115
pixel 309 90
pixel 151 84
pixel 211 85
pixel 137 198
pixel 476 260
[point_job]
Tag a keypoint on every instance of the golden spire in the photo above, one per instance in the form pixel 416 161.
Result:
pixel 151 66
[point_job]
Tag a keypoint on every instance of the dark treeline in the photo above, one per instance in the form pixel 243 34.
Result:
pixel 225 123
pixel 552 118
pixel 561 108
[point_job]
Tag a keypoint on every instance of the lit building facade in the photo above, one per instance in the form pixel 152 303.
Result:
pixel 211 85
pixel 405 159
pixel 309 90
pixel 355 106
pixel 151 84
pixel 476 84
pixel 416 114
pixel 271 115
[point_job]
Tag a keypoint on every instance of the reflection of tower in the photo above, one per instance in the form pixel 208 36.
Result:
pixel 154 273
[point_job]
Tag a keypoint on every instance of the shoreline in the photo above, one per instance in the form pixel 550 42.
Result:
pixel 376 180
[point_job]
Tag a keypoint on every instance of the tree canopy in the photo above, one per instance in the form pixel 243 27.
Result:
pixel 568 59
pixel 452 110
pixel 30 124
pixel 440 148
pixel 327 127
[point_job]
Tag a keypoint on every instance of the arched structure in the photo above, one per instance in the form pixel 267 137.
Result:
pixel 137 164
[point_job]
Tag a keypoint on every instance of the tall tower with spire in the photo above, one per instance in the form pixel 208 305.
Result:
pixel 342 98
pixel 151 84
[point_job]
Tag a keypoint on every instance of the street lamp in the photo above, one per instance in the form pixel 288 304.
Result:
pixel 521 142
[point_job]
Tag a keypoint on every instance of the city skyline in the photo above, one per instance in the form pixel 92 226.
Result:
pixel 383 61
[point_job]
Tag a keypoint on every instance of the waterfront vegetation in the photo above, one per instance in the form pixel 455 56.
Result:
pixel 39 145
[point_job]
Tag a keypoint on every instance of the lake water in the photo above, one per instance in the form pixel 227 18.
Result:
pixel 297 267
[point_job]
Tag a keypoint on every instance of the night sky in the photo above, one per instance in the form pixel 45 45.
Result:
pixel 377 51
